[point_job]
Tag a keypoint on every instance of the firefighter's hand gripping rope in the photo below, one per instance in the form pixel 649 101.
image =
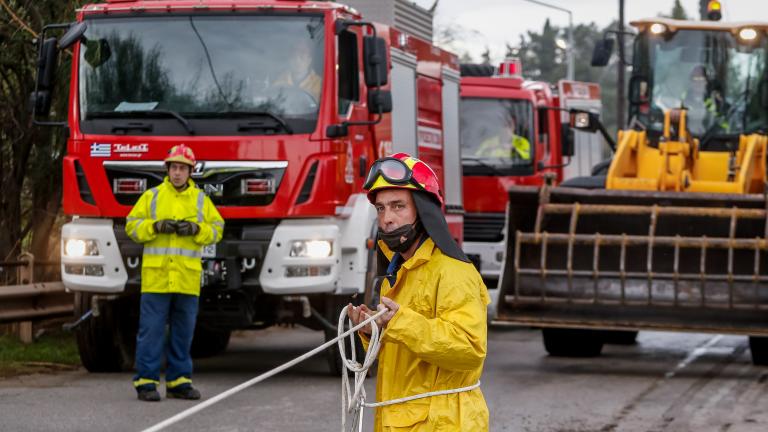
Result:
pixel 352 395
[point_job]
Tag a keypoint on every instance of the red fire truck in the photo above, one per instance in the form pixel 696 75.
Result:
pixel 516 132
pixel 286 105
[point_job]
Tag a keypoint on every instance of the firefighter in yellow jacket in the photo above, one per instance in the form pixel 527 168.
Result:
pixel 435 333
pixel 174 221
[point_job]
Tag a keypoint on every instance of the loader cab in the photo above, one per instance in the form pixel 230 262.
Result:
pixel 718 75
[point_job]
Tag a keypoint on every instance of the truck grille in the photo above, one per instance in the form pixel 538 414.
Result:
pixel 484 227
pixel 221 181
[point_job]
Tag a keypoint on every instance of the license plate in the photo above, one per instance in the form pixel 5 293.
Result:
pixel 209 251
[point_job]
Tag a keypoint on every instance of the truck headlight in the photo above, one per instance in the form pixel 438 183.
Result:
pixel 311 249
pixel 79 248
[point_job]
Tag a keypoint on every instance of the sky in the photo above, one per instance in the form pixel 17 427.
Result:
pixel 492 23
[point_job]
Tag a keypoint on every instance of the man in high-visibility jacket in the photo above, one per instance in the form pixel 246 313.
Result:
pixel 704 103
pixel 435 333
pixel 174 221
pixel 506 145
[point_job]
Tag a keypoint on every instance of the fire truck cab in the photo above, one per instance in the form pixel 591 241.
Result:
pixel 516 132
pixel 286 104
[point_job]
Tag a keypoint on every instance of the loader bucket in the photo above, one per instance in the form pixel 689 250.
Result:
pixel 617 259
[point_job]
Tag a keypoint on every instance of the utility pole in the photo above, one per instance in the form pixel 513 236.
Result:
pixel 621 101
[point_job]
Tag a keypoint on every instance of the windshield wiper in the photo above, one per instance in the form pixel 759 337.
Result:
pixel 145 114
pixel 483 163
pixel 243 114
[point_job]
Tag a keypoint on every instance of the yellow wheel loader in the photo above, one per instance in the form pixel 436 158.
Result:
pixel 673 234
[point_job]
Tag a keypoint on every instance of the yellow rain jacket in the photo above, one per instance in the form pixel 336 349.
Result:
pixel 436 341
pixel 172 263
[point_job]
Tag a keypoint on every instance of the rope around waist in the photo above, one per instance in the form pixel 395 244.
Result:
pixel 421 396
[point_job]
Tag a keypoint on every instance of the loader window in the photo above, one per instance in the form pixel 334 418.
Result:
pixel 497 131
pixel 225 74
pixel 710 74
pixel 349 73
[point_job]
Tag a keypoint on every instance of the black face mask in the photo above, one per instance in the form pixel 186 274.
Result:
pixel 402 238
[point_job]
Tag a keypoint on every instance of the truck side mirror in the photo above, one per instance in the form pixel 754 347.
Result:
pixel 40 99
pixel 584 121
pixel 379 101
pixel 601 54
pixel 375 61
pixel 569 140
pixel 337 130
pixel 74 34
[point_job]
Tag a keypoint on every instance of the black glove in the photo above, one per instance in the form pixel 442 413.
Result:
pixel 165 226
pixel 185 228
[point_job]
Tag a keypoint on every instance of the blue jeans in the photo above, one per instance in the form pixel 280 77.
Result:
pixel 179 311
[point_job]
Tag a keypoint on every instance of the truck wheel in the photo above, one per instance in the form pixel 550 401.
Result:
pixel 107 343
pixel 335 304
pixel 563 342
pixel 620 337
pixel 209 342
pixel 759 347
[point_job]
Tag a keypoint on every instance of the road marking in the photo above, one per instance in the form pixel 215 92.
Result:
pixel 696 353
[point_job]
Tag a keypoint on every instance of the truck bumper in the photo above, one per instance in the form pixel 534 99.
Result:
pixel 491 256
pixel 98 270
pixel 284 272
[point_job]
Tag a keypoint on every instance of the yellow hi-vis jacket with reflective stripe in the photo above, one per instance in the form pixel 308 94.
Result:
pixel 436 341
pixel 172 263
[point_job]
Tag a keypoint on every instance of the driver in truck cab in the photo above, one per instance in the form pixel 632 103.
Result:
pixel 703 100
pixel 435 333
pixel 506 144
pixel 300 71
pixel 173 221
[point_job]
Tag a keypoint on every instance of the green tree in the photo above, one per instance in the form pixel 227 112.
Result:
pixel 678 11
pixel 30 156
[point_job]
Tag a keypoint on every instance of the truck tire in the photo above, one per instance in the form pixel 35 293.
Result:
pixel 564 342
pixel 335 366
pixel 620 337
pixel 107 343
pixel 759 347
pixel 209 342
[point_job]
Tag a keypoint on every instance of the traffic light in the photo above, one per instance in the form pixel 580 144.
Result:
pixel 714 10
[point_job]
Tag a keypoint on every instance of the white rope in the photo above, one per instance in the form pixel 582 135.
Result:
pixel 352 401
pixel 221 396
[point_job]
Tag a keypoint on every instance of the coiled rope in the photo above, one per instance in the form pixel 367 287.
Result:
pixel 352 396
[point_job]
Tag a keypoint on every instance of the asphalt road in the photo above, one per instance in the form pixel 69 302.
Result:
pixel 667 382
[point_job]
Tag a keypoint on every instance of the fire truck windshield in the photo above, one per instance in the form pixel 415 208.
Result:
pixel 497 131
pixel 710 73
pixel 217 72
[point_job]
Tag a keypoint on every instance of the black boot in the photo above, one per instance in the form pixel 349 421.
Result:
pixel 148 394
pixel 183 392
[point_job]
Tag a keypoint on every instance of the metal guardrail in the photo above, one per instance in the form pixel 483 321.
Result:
pixel 34 301
pixel 30 300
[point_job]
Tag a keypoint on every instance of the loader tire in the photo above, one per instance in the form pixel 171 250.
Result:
pixel 759 347
pixel 563 342
pixel 620 337
pixel 209 342
pixel 107 343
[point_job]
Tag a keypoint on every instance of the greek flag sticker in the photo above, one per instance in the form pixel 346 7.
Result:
pixel 101 150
